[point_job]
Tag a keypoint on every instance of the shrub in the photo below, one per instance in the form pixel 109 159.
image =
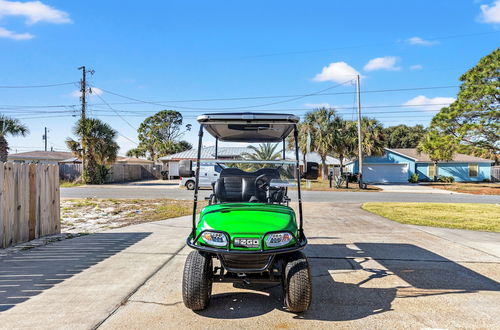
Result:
pixel 413 178
pixel 446 179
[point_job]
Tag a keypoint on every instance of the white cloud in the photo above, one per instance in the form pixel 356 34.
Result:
pixel 416 67
pixel 382 63
pixel 425 103
pixel 34 12
pixel 337 71
pixel 421 42
pixel 95 91
pixel 4 33
pixel 491 13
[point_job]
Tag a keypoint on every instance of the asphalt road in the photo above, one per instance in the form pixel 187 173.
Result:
pixel 162 191
pixel 368 273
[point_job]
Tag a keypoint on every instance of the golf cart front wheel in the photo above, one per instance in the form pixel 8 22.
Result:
pixel 190 185
pixel 297 286
pixel 197 281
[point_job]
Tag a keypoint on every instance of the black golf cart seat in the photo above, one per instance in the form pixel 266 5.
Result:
pixel 236 185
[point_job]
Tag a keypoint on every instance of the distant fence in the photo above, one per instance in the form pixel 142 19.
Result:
pixel 133 172
pixel 118 172
pixel 29 202
pixel 70 172
pixel 495 173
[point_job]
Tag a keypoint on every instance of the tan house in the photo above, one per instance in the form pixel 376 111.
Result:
pixel 40 157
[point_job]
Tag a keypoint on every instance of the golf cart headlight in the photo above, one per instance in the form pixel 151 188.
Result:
pixel 216 239
pixel 278 239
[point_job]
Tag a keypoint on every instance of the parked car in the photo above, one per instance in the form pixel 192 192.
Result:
pixel 209 173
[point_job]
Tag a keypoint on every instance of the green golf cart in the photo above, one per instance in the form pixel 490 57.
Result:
pixel 248 233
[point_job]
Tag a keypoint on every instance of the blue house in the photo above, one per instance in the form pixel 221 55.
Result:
pixel 397 165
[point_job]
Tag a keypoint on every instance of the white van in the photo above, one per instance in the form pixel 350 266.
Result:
pixel 208 173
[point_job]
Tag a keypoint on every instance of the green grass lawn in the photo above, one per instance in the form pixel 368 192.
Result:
pixel 69 184
pixel 484 217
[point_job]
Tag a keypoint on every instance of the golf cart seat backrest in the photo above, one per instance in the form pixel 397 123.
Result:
pixel 235 185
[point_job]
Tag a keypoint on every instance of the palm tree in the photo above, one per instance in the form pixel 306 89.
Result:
pixel 265 151
pixel 373 137
pixel 344 144
pixel 302 139
pixel 319 125
pixel 12 127
pixel 136 152
pixel 96 148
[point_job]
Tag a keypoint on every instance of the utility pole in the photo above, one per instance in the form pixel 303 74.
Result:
pixel 360 135
pixel 83 89
pixel 45 138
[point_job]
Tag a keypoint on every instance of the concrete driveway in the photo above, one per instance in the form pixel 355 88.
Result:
pixel 368 272
pixel 414 188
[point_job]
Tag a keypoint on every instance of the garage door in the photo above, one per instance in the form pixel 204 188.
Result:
pixel 385 173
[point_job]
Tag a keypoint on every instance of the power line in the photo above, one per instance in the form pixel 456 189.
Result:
pixel 229 108
pixel 4 106
pixel 266 97
pixel 41 86
pixel 126 121
pixel 115 111
pixel 299 52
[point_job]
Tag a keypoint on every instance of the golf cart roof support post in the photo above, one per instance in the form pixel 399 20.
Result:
pixel 296 141
pixel 216 147
pixel 197 178
pixel 283 151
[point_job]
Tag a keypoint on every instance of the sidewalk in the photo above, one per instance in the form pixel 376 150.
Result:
pixel 77 283
pixel 414 188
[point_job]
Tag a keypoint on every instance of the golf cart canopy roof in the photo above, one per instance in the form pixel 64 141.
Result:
pixel 249 127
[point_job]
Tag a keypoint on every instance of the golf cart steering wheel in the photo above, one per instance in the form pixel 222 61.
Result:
pixel 262 182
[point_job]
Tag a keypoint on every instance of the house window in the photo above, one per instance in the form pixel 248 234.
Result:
pixel 473 170
pixel 431 171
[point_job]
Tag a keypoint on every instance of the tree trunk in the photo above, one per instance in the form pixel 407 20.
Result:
pixel 325 169
pixel 4 149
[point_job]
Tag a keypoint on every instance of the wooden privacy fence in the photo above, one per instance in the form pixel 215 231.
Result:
pixel 29 202
pixel 133 172
pixel 495 173
pixel 117 173
pixel 70 172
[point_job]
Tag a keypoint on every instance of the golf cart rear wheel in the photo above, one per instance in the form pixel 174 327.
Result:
pixel 197 281
pixel 297 286
pixel 190 185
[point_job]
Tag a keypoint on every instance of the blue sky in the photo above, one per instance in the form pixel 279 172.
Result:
pixel 183 50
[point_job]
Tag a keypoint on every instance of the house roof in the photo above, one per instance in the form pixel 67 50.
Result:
pixel 423 157
pixel 41 155
pixel 208 152
pixel 119 160
pixel 236 152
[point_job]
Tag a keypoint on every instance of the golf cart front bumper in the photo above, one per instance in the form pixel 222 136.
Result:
pixel 246 261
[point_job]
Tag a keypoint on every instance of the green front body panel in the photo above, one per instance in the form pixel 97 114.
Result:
pixel 248 220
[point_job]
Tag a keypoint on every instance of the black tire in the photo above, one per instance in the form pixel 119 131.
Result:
pixel 190 185
pixel 197 281
pixel 297 286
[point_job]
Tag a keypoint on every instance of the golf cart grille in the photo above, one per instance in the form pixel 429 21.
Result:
pixel 246 261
